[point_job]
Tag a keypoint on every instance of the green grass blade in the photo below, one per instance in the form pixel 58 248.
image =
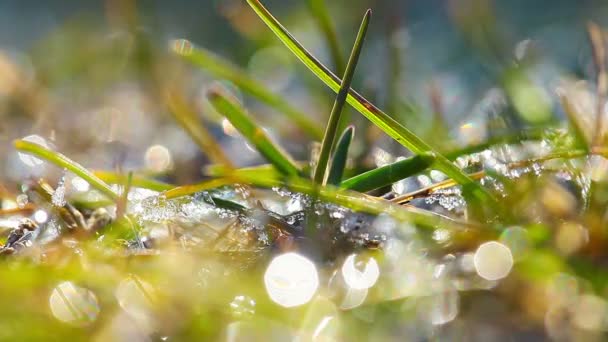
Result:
pixel 239 118
pixel 389 174
pixel 265 170
pixel 338 162
pixel 321 15
pixel 186 190
pixel 217 67
pixel 371 112
pixel 191 123
pixel 66 163
pixel 321 174
pixel 136 181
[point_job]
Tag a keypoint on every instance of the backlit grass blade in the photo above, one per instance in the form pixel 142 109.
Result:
pixel 266 170
pixel 186 190
pixel 389 174
pixel 240 119
pixel 66 163
pixel 371 112
pixel 191 123
pixel 213 64
pixel 331 131
pixel 338 162
pixel 136 181
pixel 321 15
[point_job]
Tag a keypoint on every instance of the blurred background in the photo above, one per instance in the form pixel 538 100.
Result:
pixel 86 75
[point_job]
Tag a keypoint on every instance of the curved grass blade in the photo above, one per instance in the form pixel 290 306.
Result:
pixel 252 132
pixel 338 163
pixel 321 15
pixel 389 125
pixel 190 122
pixel 136 181
pixel 66 163
pixel 321 174
pixel 389 174
pixel 217 67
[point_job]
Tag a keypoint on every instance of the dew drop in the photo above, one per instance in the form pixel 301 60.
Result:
pixel 182 47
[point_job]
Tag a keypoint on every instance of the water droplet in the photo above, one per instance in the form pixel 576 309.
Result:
pixel 28 159
pixel 441 235
pixel 360 274
pixel 291 280
pixel 158 158
pixel 493 260
pixel 40 216
pixel 182 46
pixel 80 184
pixel 73 304
pixel 22 200
pixel 242 307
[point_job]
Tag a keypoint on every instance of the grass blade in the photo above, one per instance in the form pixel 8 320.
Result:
pixel 321 174
pixel 321 15
pixel 136 181
pixel 389 174
pixel 66 163
pixel 186 190
pixel 190 122
pixel 371 112
pixel 239 118
pixel 265 170
pixel 217 67
pixel 338 163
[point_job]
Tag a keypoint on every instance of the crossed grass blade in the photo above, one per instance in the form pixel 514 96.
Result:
pixel 389 125
pixel 321 172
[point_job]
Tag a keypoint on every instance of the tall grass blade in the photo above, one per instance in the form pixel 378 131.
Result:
pixel 239 118
pixel 389 174
pixel 371 112
pixel 338 162
pixel 191 123
pixel 206 60
pixel 66 163
pixel 321 174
